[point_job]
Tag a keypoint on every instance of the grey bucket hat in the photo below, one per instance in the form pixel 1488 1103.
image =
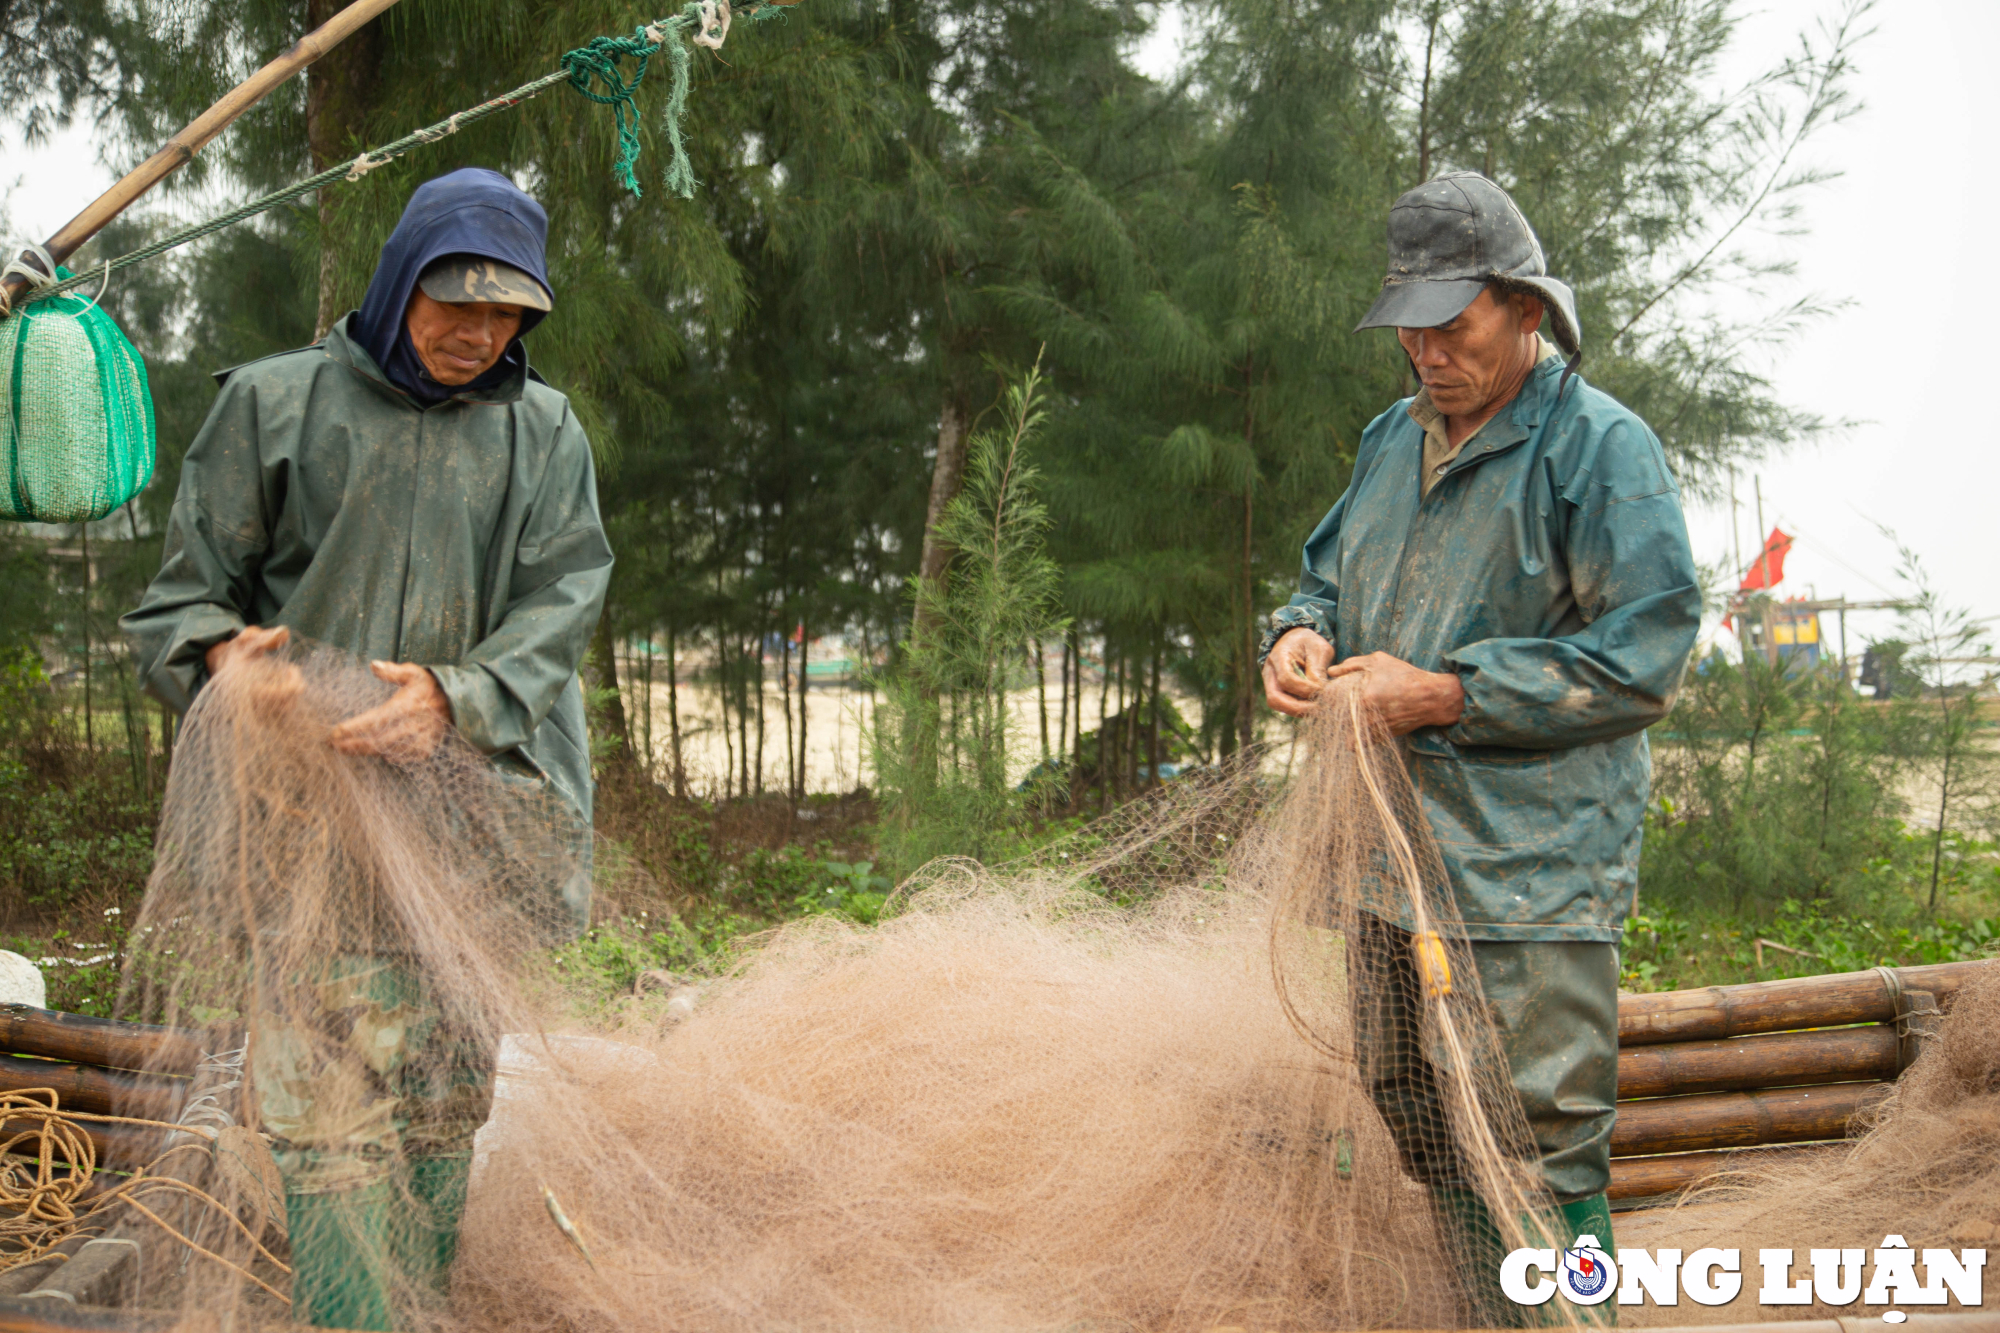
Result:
pixel 1448 238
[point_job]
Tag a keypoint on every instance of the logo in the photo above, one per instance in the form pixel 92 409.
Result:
pixel 1587 1275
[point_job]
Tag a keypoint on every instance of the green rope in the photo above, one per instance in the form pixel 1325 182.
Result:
pixel 597 63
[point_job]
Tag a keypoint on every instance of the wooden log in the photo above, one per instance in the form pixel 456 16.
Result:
pixel 1715 1012
pixel 1739 1119
pixel 1649 1177
pixel 20 1315
pixel 191 140
pixel 124 1147
pixel 23 1278
pixel 1783 1059
pixel 89 1088
pixel 104 1042
pixel 104 1272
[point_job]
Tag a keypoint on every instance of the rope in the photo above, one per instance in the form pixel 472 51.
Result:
pixel 39 1209
pixel 38 278
pixel 583 69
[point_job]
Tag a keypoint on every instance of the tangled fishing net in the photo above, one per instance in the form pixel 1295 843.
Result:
pixel 1014 1104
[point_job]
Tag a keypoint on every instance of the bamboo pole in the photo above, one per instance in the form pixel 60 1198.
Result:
pixel 1783 1006
pixel 1782 1059
pixel 180 149
pixel 104 1042
pixel 89 1088
pixel 1650 1177
pixel 1739 1119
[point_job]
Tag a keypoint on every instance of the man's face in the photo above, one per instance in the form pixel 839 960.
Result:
pixel 1470 361
pixel 459 342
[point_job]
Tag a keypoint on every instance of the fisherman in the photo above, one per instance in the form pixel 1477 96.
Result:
pixel 1509 576
pixel 407 489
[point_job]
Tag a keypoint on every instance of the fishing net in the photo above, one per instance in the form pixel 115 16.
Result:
pixel 76 416
pixel 1137 1081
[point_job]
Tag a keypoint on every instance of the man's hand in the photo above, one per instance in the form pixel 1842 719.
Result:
pixel 407 728
pixel 272 690
pixel 1406 698
pixel 1295 671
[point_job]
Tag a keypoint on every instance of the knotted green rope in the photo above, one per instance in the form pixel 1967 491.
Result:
pixel 583 69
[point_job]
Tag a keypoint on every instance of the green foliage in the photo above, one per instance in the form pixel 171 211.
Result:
pixel 944 736
pixel 1954 752
pixel 610 958
pixel 1771 784
pixel 1670 948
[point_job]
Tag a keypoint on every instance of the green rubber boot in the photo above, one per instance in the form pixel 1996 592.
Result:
pixel 1470 1233
pixel 1590 1217
pixel 341 1257
pixel 427 1238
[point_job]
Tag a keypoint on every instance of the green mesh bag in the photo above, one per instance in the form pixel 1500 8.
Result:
pixel 76 415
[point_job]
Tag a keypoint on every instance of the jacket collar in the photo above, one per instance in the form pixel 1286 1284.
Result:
pixel 342 347
pixel 1516 421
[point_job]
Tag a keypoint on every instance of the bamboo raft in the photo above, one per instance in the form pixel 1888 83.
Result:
pixel 1728 1076
pixel 1708 1080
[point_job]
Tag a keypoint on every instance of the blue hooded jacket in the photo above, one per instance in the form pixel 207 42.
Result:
pixel 472 211
pixel 1549 568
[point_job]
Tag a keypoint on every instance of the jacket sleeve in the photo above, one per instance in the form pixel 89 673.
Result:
pixel 508 683
pixel 1633 576
pixel 217 535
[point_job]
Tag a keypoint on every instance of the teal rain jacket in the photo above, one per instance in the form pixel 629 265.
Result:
pixel 1549 567
pixel 464 537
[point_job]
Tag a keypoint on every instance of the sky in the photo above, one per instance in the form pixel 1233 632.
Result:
pixel 1900 237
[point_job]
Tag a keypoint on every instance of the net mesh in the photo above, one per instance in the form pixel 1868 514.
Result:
pixel 1016 1103
pixel 76 416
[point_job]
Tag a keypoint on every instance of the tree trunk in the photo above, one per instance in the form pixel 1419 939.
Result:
pixel 1041 694
pixel 674 713
pixel 600 674
pixel 759 681
pixel 1062 704
pixel 1153 723
pixel 1246 703
pixel 83 623
pixel 802 713
pixel 947 477
pixel 785 697
pixel 722 704
pixel 340 88
pixel 646 750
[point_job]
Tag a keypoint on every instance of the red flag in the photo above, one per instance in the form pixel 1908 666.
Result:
pixel 1776 546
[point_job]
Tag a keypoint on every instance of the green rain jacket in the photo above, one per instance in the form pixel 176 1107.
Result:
pixel 464 537
pixel 1549 567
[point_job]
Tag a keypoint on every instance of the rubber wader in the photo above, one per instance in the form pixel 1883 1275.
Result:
pixel 341 1256
pixel 1470 1232
pixel 427 1242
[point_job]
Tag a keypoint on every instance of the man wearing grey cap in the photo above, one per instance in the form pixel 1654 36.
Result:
pixel 1509 574
pixel 407 489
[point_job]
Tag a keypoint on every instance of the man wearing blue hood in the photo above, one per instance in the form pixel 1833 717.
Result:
pixel 406 489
